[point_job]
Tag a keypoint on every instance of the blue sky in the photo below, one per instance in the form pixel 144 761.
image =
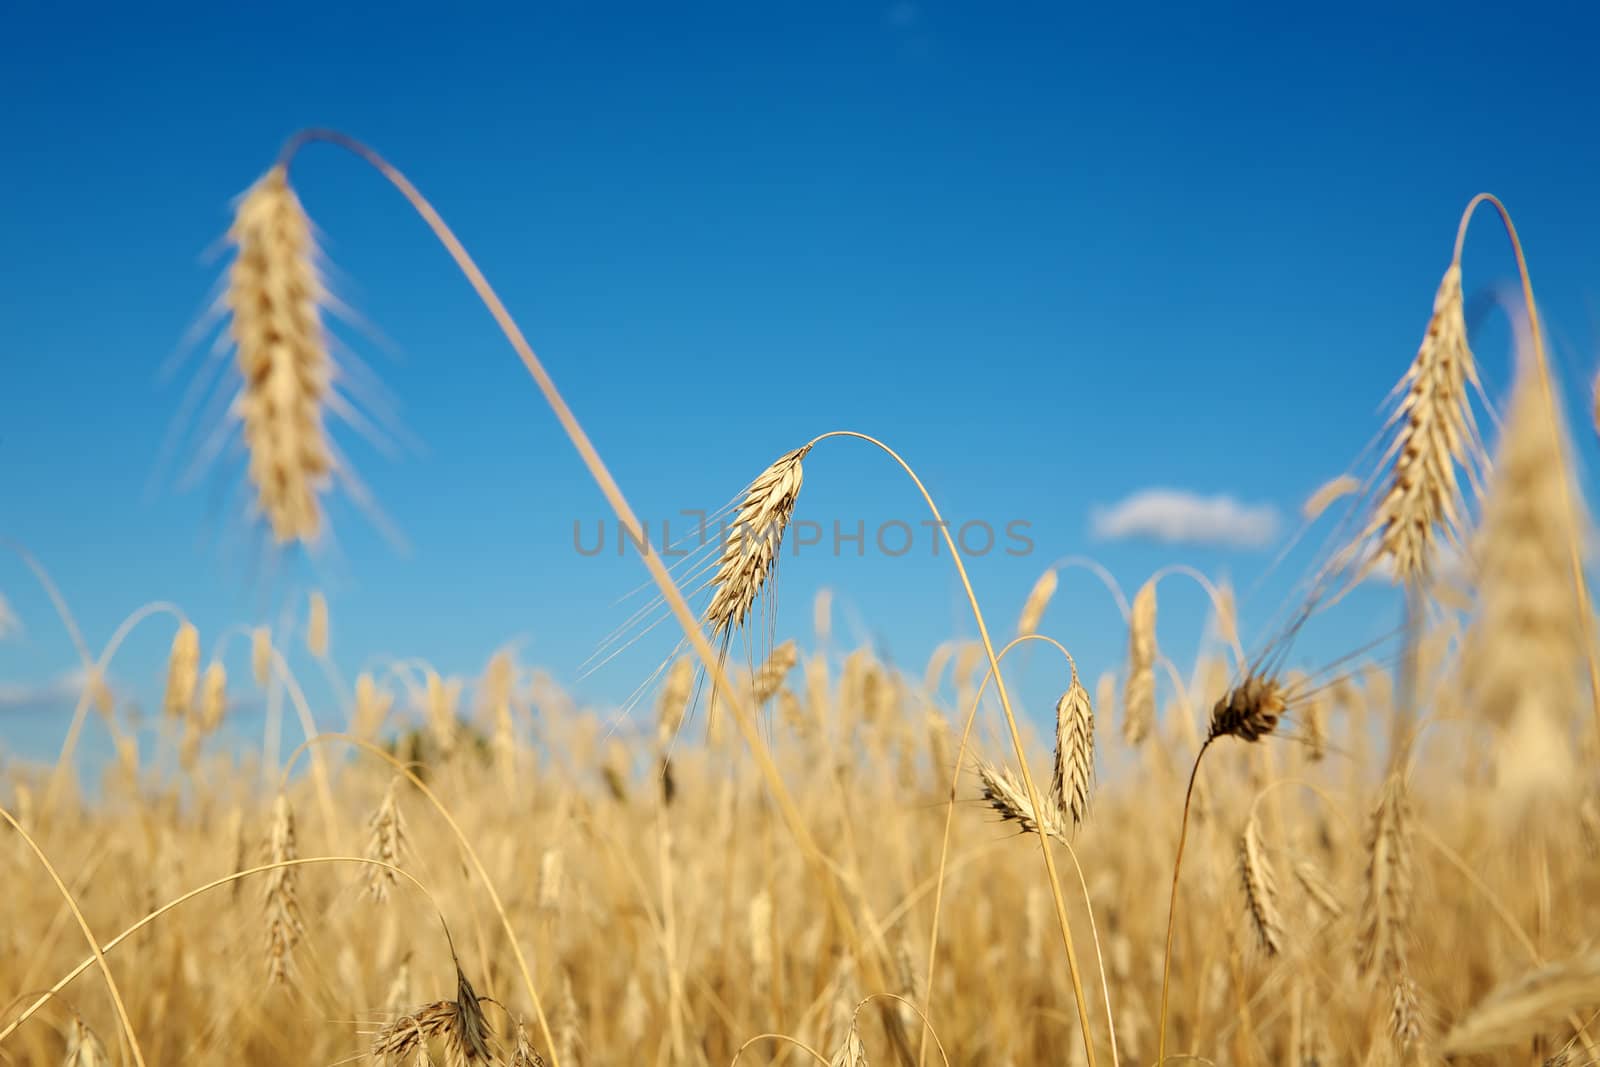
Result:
pixel 1056 255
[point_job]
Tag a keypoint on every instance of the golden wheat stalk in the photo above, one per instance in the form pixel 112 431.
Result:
pixel 183 672
pixel 1072 780
pixel 1386 909
pixel 213 697
pixel 1525 651
pixel 1435 433
pixel 274 295
pixel 1260 888
pixel 1038 600
pixel 284 925
pixel 750 546
pixel 1139 691
pixel 386 843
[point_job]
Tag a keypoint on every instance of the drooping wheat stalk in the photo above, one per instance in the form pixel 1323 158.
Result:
pixel 1524 653
pixel 1435 433
pixel 1073 778
pixel 1260 888
pixel 750 546
pixel 1386 909
pixel 274 295
pixel 1038 600
pixel 284 925
pixel 386 843
pixel 213 696
pixel 1006 796
pixel 183 672
pixel 1139 691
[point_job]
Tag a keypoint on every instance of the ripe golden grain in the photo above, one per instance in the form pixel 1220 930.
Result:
pixel 1038 600
pixel 274 295
pixel 1073 777
pixel 1139 691
pixel 183 672
pixel 750 548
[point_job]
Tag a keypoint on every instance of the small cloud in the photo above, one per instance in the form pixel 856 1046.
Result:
pixel 48 694
pixel 10 625
pixel 1175 516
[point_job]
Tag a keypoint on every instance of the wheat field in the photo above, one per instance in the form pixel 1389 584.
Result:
pixel 1221 861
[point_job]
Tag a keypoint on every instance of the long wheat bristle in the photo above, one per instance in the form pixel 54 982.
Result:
pixel 1038 600
pixel 1386 908
pixel 750 547
pixel 274 295
pixel 213 696
pixel 1260 888
pixel 1073 777
pixel 386 843
pixel 1139 691
pixel 183 672
pixel 1524 652
pixel 284 925
pixel 1436 433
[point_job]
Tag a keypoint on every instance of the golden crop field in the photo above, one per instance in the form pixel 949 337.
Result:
pixel 822 859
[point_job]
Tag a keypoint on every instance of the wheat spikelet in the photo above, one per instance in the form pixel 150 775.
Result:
pixel 1250 711
pixel 1436 433
pixel 1386 909
pixel 443 698
pixel 83 1047
pixel 1324 904
pixel 1260 888
pixel 750 548
pixel 1073 777
pixel 412 1032
pixel 771 674
pixel 1525 648
pixel 183 672
pixel 1139 691
pixel 386 843
pixel 372 706
pixel 523 1055
pixel 1038 600
pixel 317 625
pixel 261 655
pixel 1006 795
pixel 566 1023
pixel 851 1052
pixel 472 1039
pixel 1405 1013
pixel 282 355
pixel 1326 494
pixel 284 925
pixel 213 696
pixel 674 701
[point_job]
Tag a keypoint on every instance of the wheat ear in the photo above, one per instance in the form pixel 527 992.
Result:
pixel 1073 777
pixel 273 296
pixel 1139 691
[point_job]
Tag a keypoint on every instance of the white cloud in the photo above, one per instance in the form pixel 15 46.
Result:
pixel 10 625
pixel 47 694
pixel 1179 517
